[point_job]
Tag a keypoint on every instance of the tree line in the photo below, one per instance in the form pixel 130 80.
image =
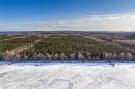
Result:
pixel 75 48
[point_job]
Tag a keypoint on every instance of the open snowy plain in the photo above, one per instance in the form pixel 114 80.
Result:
pixel 67 76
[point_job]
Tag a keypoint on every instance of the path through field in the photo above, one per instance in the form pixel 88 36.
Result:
pixel 67 76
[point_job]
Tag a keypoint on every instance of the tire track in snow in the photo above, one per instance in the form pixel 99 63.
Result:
pixel 67 77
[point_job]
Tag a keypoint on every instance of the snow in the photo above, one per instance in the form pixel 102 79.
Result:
pixel 67 76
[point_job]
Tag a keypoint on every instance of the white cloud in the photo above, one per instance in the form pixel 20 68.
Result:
pixel 116 22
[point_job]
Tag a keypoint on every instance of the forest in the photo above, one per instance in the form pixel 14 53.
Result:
pixel 60 47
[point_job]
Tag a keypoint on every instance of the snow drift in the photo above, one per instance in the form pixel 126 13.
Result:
pixel 67 76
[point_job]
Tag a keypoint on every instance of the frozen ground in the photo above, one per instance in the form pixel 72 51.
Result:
pixel 67 76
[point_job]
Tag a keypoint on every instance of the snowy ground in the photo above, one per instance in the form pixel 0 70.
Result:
pixel 67 76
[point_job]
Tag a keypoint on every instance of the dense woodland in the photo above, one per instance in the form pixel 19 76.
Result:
pixel 75 48
pixel 11 44
pixel 8 43
pixel 63 47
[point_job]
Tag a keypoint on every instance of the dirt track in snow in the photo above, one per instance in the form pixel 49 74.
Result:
pixel 68 76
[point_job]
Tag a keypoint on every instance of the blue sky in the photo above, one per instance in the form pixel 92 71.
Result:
pixel 14 10
pixel 43 11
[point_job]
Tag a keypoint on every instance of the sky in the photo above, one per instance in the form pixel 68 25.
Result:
pixel 67 15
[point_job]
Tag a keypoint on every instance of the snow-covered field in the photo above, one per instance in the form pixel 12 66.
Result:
pixel 67 76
